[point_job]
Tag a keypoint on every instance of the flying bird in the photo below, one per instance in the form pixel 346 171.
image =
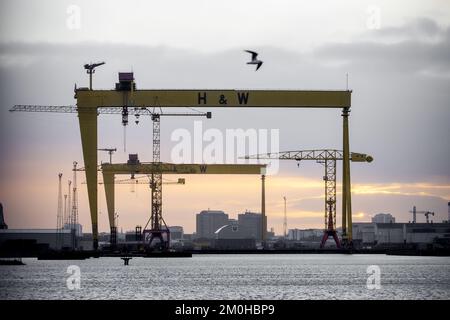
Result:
pixel 254 60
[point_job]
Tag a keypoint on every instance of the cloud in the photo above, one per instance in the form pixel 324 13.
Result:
pixel 421 46
pixel 406 189
pixel 423 29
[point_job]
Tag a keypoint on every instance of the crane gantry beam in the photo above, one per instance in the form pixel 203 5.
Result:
pixel 328 158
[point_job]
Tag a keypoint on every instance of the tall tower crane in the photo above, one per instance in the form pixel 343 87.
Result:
pixel 328 158
pixel 426 213
pixel 158 227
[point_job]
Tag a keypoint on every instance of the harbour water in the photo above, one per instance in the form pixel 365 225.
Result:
pixel 290 276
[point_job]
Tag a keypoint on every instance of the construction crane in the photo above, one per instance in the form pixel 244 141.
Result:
pixel 90 69
pixel 158 227
pixel 328 158
pixel 110 152
pixel 426 213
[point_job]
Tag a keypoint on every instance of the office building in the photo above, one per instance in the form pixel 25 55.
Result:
pixel 208 221
pixel 251 223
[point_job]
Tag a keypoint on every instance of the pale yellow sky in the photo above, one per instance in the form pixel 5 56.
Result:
pixel 232 194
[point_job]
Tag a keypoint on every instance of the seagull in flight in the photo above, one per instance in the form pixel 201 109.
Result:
pixel 254 60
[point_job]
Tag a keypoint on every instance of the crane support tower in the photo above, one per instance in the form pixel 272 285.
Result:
pixel 328 158
pixel 90 103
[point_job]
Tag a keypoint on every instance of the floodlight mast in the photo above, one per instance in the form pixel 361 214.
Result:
pixel 90 69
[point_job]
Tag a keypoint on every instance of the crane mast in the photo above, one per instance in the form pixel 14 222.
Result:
pixel 158 227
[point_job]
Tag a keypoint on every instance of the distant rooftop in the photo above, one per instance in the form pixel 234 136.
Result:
pixel 212 212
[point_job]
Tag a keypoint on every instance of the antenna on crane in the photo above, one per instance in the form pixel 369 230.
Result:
pixel 90 69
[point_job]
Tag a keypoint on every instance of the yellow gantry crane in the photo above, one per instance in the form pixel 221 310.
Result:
pixel 328 158
pixel 91 102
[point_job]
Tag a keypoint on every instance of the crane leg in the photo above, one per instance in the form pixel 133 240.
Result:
pixel 346 201
pixel 349 207
pixel 88 130
pixel 108 182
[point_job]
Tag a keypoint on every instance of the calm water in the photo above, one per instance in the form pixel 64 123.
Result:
pixel 232 277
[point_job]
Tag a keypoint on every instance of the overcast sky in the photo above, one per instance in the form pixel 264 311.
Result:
pixel 396 56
